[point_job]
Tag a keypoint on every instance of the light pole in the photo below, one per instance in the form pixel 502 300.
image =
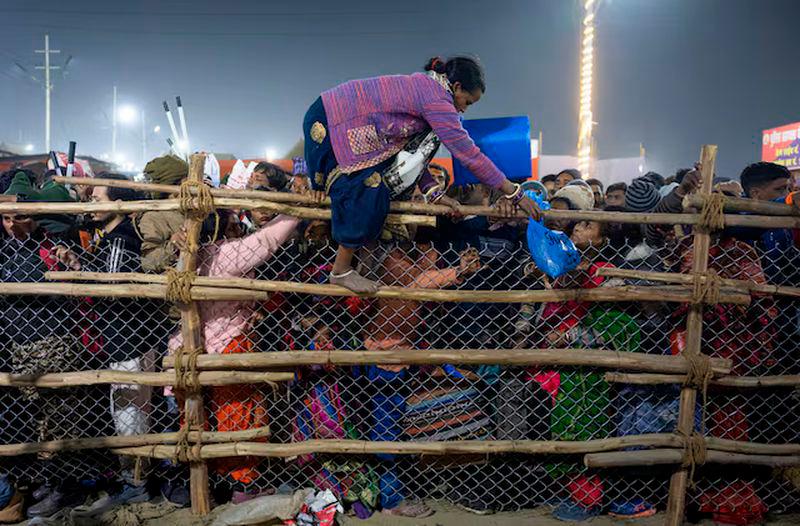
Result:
pixel 114 124
pixel 48 87
pixel 585 116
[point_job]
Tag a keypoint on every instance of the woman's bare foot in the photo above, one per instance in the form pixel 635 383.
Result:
pixel 354 281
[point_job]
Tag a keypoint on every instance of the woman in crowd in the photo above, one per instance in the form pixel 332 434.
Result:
pixel 354 131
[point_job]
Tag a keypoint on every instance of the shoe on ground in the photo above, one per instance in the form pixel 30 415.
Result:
pixel 54 502
pixel 631 509
pixel 127 495
pixel 574 512
pixel 41 492
pixel 177 494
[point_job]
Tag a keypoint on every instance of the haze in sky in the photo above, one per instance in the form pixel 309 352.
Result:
pixel 672 74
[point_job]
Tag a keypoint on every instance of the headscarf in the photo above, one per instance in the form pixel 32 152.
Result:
pixel 166 170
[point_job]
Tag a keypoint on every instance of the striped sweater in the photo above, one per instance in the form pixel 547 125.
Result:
pixel 370 120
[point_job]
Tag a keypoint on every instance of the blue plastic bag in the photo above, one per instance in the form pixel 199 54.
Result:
pixel 553 252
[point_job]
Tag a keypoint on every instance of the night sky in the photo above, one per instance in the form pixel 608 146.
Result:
pixel 673 74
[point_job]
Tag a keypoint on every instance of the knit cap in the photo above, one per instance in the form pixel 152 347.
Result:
pixel 579 195
pixel 641 196
pixel 166 170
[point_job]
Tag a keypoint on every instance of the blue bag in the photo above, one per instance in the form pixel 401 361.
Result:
pixel 553 252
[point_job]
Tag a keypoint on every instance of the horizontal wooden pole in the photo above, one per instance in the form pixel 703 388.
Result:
pixel 126 291
pixel 259 287
pixel 746 382
pixel 424 208
pixel 540 357
pixel 155 379
pixel 162 205
pixel 77 444
pixel 688 279
pixel 753 206
pixel 596 450
pixel 655 457
pixel 455 447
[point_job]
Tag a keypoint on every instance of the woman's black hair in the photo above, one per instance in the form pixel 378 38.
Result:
pixel 466 70
pixel 121 194
pixel 278 179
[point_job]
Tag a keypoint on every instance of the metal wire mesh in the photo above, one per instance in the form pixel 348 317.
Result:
pixel 452 402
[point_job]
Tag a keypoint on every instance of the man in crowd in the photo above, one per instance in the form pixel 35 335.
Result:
pixel 615 194
pixel 597 190
pixel 549 182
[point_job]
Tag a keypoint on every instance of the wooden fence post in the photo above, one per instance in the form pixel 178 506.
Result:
pixel 694 338
pixel 191 329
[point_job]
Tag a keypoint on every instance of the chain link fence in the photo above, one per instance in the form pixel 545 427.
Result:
pixel 450 402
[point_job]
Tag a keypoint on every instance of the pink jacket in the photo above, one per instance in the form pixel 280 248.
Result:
pixel 224 320
pixel 370 120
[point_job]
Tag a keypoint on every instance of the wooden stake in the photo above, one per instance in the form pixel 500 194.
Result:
pixel 542 357
pixel 192 332
pixel 694 336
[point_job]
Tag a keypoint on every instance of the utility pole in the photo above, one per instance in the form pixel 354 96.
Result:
pixel 144 141
pixel 48 87
pixel 114 126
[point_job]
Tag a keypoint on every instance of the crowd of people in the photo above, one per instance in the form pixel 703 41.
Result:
pixel 52 334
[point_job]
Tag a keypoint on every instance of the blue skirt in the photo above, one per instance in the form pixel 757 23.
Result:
pixel 359 200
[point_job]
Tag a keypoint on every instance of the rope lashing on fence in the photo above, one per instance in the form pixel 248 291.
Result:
pixel 179 286
pixel 698 377
pixel 186 373
pixel 694 452
pixel 197 206
pixel 706 287
pixel 712 215
pixel 186 451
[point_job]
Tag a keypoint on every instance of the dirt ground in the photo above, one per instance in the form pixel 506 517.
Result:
pixel 159 514
pixel 448 515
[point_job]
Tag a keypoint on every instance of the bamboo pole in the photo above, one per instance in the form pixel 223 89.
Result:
pixel 739 204
pixel 688 279
pixel 126 291
pixel 597 448
pixel 77 444
pixel 655 457
pixel 541 357
pixel 155 379
pixel 230 286
pixel 454 447
pixel 165 205
pixel 694 336
pixel 192 332
pixel 424 208
pixel 745 382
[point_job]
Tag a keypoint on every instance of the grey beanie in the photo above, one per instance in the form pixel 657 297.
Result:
pixel 641 196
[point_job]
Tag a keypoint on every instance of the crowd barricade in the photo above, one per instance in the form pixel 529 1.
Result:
pixel 493 388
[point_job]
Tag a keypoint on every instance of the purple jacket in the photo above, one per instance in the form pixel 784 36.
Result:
pixel 370 120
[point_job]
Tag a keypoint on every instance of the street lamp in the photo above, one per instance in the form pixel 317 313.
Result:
pixel 270 153
pixel 127 114
pixel 157 129
pixel 28 147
